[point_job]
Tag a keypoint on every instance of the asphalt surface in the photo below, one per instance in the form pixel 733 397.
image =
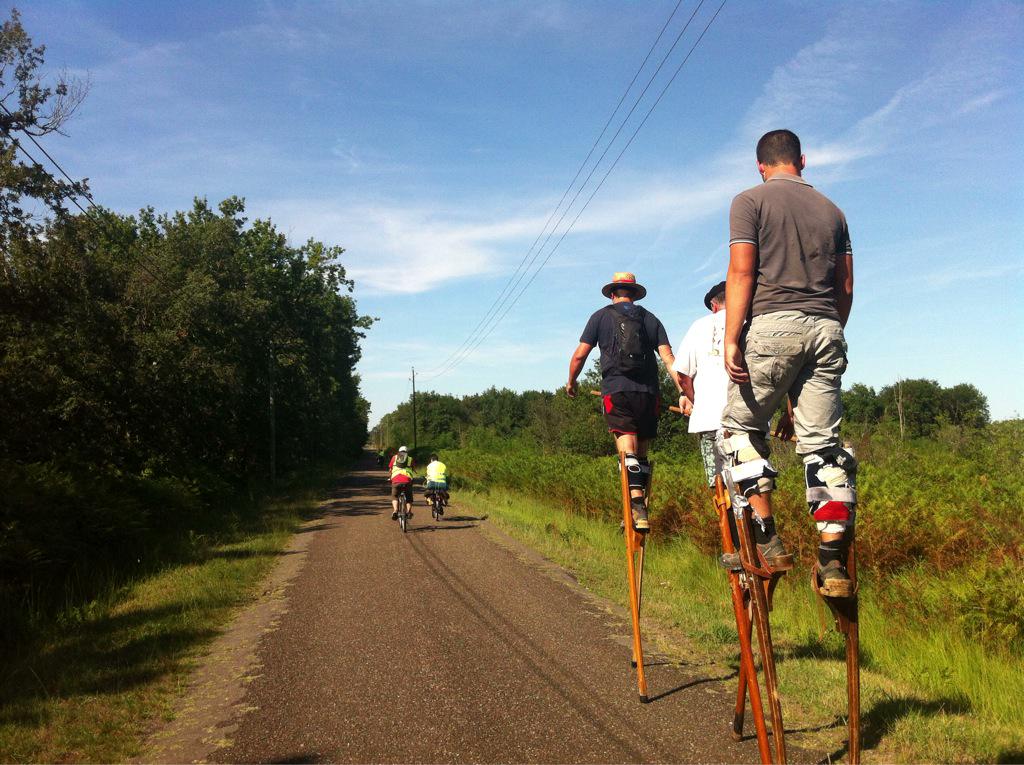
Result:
pixel 441 645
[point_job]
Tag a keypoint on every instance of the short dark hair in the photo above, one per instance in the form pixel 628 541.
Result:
pixel 624 291
pixel 433 457
pixel 779 147
pixel 718 297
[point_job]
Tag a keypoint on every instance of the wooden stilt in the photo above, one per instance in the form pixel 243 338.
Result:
pixel 761 586
pixel 845 613
pixel 738 584
pixel 853 659
pixel 634 571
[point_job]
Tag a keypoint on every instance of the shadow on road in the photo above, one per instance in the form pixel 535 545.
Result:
pixel 572 688
pixel 689 684
pixel 446 527
pixel 351 512
pixel 881 718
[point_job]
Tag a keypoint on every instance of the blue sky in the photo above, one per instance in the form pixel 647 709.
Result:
pixel 433 140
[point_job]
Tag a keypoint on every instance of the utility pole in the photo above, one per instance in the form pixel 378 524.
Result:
pixel 414 407
pixel 273 416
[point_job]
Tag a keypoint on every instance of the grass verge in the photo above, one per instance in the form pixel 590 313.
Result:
pixel 89 686
pixel 928 693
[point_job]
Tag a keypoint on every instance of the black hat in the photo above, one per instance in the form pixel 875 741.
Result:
pixel 720 287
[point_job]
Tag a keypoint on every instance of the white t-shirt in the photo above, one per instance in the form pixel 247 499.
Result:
pixel 700 356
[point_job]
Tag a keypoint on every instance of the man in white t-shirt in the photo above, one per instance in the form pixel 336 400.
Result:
pixel 701 368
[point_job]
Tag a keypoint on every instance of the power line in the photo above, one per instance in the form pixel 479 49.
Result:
pixel 77 188
pixel 473 344
pixel 664 90
pixel 56 164
pixel 494 307
pixel 30 158
pixel 515 281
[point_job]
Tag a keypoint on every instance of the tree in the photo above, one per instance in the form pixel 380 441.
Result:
pixel 30 108
pixel 862 405
pixel 915 404
pixel 921 405
pixel 965 405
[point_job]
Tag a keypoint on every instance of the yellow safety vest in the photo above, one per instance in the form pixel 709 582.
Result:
pixel 437 471
pixel 405 470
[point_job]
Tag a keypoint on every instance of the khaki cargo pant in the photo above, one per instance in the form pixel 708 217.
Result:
pixel 788 352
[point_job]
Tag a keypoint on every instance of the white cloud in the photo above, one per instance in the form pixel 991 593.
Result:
pixel 406 249
pixel 813 89
pixel 418 246
pixel 956 274
pixel 959 74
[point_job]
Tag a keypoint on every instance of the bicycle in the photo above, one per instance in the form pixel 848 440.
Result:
pixel 403 512
pixel 436 505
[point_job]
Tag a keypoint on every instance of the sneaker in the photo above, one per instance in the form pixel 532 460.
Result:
pixel 775 554
pixel 640 522
pixel 394 515
pixel 835 581
pixel 730 561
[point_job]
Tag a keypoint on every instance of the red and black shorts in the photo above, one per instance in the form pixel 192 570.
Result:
pixel 402 488
pixel 632 413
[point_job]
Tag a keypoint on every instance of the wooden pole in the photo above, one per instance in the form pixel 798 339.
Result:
pixel 845 613
pixel 853 659
pixel 759 582
pixel 632 546
pixel 414 407
pixel 272 416
pixel 748 674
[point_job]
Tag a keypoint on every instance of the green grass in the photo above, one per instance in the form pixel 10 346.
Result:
pixel 93 681
pixel 929 692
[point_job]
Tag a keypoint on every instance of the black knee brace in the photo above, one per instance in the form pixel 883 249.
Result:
pixel 638 471
pixel 831 477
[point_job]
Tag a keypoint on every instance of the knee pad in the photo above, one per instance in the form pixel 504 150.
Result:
pixel 746 459
pixel 831 479
pixel 638 471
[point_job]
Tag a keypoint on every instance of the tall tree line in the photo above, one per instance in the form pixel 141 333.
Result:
pixel 553 422
pixel 171 343
pixel 150 364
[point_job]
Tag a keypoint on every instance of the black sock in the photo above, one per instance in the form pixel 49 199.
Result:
pixel 764 528
pixel 830 551
pixel 734 531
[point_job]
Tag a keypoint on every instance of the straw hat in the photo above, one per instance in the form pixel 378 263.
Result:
pixel 624 279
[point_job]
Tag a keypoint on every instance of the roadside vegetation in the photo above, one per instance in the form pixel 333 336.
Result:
pixel 161 376
pixel 97 676
pixel 940 548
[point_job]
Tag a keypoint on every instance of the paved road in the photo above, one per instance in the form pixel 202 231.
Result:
pixel 443 646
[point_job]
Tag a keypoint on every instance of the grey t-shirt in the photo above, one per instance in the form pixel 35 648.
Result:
pixel 799 233
pixel 601 331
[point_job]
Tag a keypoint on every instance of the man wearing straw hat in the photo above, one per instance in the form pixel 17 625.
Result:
pixel 630 339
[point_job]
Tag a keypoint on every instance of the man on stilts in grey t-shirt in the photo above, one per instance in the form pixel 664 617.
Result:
pixel 791 274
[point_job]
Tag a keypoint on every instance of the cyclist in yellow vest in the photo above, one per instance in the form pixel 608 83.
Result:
pixel 401 480
pixel 437 480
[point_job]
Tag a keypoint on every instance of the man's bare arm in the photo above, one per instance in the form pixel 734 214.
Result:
pixel 844 287
pixel 686 388
pixel 686 385
pixel 669 360
pixel 579 358
pixel 739 292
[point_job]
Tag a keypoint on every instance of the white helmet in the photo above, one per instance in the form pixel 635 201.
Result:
pixel 403 448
